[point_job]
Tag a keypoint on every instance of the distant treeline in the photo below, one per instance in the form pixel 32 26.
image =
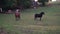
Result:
pixel 19 3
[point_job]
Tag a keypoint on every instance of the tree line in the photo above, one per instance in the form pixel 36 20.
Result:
pixel 18 3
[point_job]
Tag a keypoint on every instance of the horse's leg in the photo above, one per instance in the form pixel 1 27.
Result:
pixel 19 16
pixel 16 17
pixel 40 18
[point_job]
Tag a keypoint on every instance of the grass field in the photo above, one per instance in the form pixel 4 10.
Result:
pixel 50 23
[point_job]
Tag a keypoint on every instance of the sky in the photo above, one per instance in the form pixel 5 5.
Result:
pixel 52 0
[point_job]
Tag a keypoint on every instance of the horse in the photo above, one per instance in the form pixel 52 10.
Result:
pixel 39 15
pixel 17 14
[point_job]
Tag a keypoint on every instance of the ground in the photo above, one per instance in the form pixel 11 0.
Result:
pixel 50 23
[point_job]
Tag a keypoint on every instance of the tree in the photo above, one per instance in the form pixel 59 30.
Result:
pixel 8 4
pixel 24 3
pixel 2 3
pixel 43 2
pixel 14 3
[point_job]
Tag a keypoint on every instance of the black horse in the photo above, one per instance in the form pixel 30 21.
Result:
pixel 39 15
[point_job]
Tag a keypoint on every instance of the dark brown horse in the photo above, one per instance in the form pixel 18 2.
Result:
pixel 17 14
pixel 39 15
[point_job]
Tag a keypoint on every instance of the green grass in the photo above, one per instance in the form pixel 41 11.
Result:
pixel 50 23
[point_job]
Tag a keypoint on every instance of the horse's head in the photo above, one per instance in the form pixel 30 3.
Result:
pixel 42 13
